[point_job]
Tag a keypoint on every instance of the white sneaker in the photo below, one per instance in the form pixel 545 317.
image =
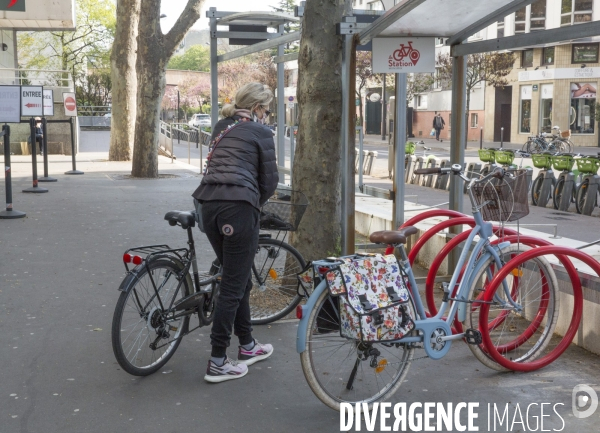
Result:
pixel 228 371
pixel 257 353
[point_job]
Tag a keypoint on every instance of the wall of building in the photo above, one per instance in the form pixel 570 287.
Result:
pixel 423 123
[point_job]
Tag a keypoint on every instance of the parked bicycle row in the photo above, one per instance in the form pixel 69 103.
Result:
pixel 364 321
pixel 557 141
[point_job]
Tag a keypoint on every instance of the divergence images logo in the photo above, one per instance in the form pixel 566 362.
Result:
pixel 583 396
pixel 404 56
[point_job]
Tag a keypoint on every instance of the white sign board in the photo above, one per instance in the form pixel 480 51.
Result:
pixel 48 103
pixel 403 55
pixel 70 104
pixel 32 101
pixel 10 104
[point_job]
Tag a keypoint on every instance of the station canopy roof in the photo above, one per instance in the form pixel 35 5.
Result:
pixel 269 19
pixel 457 20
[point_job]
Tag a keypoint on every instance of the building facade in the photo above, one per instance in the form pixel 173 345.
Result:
pixel 550 85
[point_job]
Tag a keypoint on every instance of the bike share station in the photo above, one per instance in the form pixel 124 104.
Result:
pixel 32 101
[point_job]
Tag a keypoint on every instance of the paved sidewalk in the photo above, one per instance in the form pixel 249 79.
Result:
pixel 60 268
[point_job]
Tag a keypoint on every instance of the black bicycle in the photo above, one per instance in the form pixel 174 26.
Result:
pixel 164 289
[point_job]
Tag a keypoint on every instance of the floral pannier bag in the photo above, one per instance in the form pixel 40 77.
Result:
pixel 372 297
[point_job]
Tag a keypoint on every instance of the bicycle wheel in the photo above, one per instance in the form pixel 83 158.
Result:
pixel 521 317
pixel 140 322
pixel 274 277
pixel 330 361
pixel 558 190
pixel 536 190
pixel 581 195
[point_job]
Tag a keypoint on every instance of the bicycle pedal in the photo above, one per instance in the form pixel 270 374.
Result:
pixel 473 336
pixel 188 302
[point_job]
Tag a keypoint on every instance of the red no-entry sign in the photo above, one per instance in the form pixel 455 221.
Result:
pixel 70 104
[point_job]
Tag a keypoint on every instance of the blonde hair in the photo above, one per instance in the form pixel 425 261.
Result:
pixel 248 97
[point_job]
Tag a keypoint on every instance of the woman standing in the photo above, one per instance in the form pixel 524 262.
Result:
pixel 240 177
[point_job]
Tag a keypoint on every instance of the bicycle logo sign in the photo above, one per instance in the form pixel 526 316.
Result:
pixel 406 55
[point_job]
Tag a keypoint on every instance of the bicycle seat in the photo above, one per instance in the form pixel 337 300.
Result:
pixel 185 218
pixel 393 237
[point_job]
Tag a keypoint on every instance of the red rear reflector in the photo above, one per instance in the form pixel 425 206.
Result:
pixel 127 258
pixel 299 312
pixel 137 260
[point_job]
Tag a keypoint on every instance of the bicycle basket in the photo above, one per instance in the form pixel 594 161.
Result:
pixel 504 157
pixel 588 164
pixel 563 162
pixel 566 134
pixel 284 210
pixel 503 200
pixel 542 160
pixel 409 149
pixel 486 155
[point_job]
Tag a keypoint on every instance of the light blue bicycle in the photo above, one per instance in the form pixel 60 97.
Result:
pixel 522 316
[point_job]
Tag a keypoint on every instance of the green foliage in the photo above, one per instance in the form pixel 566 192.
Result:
pixel 68 50
pixel 196 58
pixel 206 109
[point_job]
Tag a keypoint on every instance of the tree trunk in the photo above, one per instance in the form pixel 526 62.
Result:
pixel 124 81
pixel 154 52
pixel 317 167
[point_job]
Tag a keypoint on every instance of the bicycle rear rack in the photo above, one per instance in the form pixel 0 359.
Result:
pixel 147 252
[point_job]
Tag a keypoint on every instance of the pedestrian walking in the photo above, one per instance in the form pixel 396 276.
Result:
pixel 438 125
pixel 240 177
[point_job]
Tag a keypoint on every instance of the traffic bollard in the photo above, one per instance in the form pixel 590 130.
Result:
pixel 46 178
pixel 10 212
pixel 35 188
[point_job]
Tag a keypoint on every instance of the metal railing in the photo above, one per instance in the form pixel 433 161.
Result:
pixel 37 77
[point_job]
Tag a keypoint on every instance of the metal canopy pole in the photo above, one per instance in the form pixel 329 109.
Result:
pixel 281 108
pixel 457 133
pixel 400 143
pixel 214 79
pixel 347 241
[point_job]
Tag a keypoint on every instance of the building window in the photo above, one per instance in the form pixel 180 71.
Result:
pixel 526 58
pixel 421 101
pixel 474 119
pixel 500 26
pixel 520 20
pixel 439 41
pixel 546 107
pixel 525 110
pixel 537 19
pixel 548 56
pixel 575 11
pixel 584 53
pixel 581 112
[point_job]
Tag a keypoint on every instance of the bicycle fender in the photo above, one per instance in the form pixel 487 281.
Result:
pixel 126 285
pixel 306 309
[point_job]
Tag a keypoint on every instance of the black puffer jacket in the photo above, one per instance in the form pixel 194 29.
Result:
pixel 242 166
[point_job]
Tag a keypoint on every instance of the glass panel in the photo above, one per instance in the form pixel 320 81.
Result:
pixel 525 116
pixel 473 120
pixel 538 24
pixel 527 59
pixel 501 32
pixel 565 20
pixel 566 6
pixel 538 9
pixel 585 53
pixel 582 18
pixel 548 56
pixel 520 28
pixel 583 5
pixel 546 113
pixel 581 115
pixel 520 15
